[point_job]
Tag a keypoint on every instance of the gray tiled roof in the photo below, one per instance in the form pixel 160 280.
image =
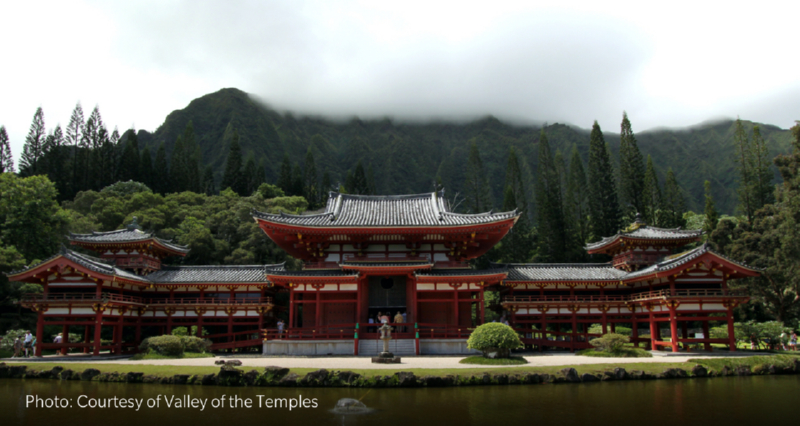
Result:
pixel 124 236
pixel 419 264
pixel 343 210
pixel 313 273
pixel 91 263
pixel 649 233
pixel 682 259
pixel 213 274
pixel 462 272
pixel 564 272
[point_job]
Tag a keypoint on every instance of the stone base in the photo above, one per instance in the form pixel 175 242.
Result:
pixel 385 360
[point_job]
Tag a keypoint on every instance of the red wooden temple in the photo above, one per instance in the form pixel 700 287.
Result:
pixel 406 255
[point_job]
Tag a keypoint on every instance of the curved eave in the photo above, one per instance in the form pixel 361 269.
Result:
pixel 733 269
pixel 386 269
pixel 59 262
pixel 380 229
pixel 292 280
pixel 640 240
pixel 149 243
pixel 563 281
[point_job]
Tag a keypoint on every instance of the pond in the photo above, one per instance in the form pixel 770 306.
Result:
pixel 730 401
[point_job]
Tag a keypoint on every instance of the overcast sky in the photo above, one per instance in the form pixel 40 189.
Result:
pixel 670 64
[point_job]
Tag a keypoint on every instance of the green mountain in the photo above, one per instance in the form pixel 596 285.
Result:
pixel 406 157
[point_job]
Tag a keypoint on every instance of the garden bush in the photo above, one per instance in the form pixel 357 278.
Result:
pixel 195 344
pixel 164 345
pixel 494 339
pixel 598 329
pixel 611 342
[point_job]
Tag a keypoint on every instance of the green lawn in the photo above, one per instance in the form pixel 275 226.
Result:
pixel 153 355
pixel 624 353
pixel 480 360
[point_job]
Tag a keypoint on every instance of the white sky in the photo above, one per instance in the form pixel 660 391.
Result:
pixel 667 63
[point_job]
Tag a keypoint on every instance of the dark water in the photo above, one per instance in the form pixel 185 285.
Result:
pixel 722 401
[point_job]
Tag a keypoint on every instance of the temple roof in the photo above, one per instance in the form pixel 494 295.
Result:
pixel 675 261
pixel 129 235
pixel 500 269
pixel 346 210
pixel 213 274
pixel 564 272
pixel 91 263
pixel 645 232
pixel 313 273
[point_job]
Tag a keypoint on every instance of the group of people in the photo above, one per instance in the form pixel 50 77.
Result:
pixel 792 341
pixel 384 318
pixel 26 343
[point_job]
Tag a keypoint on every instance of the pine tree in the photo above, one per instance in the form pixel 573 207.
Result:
pixel 712 216
pixel 297 181
pixel 477 192
pixel 250 175
pixel 108 157
pixel 6 159
pixel 517 245
pixel 516 181
pixel 605 214
pixel 631 166
pixel 232 177
pixel 372 189
pixel 179 179
pixel 56 155
pixel 359 183
pixel 74 135
pixel 311 186
pixel 674 204
pixel 130 161
pixel 747 180
pixel 763 190
pixel 161 182
pixel 577 205
pixel 326 185
pixel 651 195
pixel 285 178
pixel 33 150
pixel 146 172
pixel 102 172
pixel 192 159
pixel 553 241
pixel 208 181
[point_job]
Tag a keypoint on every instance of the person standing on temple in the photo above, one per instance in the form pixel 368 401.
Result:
pixel 385 318
pixel 281 326
pixel 398 319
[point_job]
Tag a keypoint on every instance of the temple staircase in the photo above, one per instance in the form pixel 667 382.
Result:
pixel 399 347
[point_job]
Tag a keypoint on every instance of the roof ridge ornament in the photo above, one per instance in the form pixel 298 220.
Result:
pixel 134 225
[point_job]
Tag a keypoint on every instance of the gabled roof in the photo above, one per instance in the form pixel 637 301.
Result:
pixel 494 270
pixel 213 274
pixel 647 233
pixel 681 259
pixel 547 272
pixel 423 210
pixel 122 236
pixel 91 263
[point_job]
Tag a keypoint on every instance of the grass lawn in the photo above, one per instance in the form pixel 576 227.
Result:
pixel 624 353
pixel 152 355
pixel 480 360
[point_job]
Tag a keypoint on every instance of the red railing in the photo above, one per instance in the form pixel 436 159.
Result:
pixel 330 332
pixel 660 294
pixel 210 301
pixel 443 331
pixel 565 299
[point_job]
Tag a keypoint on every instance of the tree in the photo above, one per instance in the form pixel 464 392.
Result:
pixel 55 161
pixel 146 172
pixel 552 231
pixel 208 181
pixel 251 175
pixel 603 203
pixel 33 150
pixel 311 186
pixel 762 175
pixel 74 135
pixel 179 179
pixel 477 192
pixel 285 178
pixel 192 159
pixel 577 203
pixel 517 245
pixel 129 162
pixel 712 216
pixel 297 181
pixel 6 159
pixel 651 196
pixel 631 166
pixel 516 182
pixel 232 177
pixel 161 171
pixel 325 186
pixel 674 205
pixel 358 184
pixel 747 202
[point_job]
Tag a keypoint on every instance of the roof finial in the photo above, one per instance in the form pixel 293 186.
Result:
pixel 134 225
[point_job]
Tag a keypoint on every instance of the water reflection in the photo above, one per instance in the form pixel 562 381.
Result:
pixel 697 401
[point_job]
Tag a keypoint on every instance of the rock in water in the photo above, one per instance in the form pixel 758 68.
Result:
pixel 350 406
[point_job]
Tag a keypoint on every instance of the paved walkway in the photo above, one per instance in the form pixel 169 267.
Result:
pixel 348 363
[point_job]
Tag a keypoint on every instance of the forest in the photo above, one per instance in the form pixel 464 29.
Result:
pixel 196 179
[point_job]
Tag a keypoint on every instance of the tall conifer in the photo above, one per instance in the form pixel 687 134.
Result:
pixel 476 186
pixel 232 177
pixel 674 205
pixel 763 189
pixel 516 181
pixel 631 166
pixel 297 181
pixel 712 216
pixel 311 185
pixel 285 177
pixel 552 230
pixel 747 179
pixel 6 159
pixel 33 150
pixel 178 175
pixel 161 181
pixel 577 205
pixel 250 174
pixel 651 195
pixel 605 214
pixel 146 172
pixel 129 160
pixel 208 181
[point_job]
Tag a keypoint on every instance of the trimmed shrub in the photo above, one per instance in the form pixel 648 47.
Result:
pixel 598 329
pixel 164 345
pixel 610 342
pixel 494 339
pixel 195 344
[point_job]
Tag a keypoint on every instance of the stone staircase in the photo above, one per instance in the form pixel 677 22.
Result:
pixel 399 347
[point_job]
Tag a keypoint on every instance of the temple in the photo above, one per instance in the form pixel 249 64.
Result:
pixel 405 258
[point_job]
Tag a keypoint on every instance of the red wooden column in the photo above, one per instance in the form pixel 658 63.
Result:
pixel 544 328
pixel 706 345
pixel 574 331
pixel 635 330
pixel 86 330
pixel 138 337
pixel 673 328
pixel 482 306
pixel 39 333
pixel 455 305
pixel 318 309
pixel 64 339
pixel 653 332
pixel 98 325
pixel 731 334
pixel 291 307
pixel 604 321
